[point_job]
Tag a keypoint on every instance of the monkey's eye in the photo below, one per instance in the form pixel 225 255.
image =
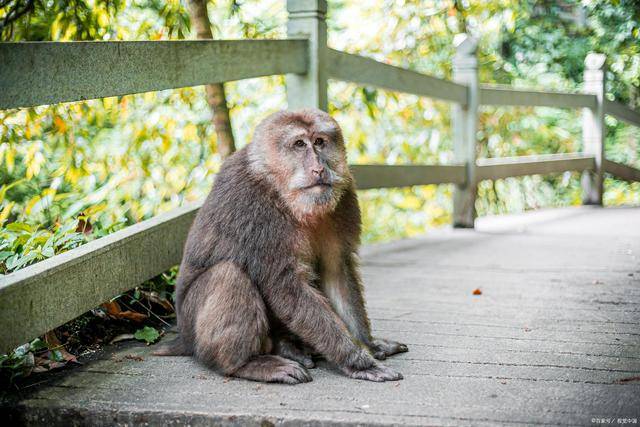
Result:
pixel 299 144
pixel 319 142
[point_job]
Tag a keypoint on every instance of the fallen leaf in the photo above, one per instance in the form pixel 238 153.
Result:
pixel 477 291
pixel 112 308
pixel 43 364
pixel 155 298
pixel 134 357
pixel 132 315
pixel 52 340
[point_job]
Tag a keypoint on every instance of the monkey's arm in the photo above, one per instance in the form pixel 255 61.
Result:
pixel 343 286
pixel 307 313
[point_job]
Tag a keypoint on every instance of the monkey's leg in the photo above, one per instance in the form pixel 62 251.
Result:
pixel 287 346
pixel 231 329
pixel 342 284
pixel 307 313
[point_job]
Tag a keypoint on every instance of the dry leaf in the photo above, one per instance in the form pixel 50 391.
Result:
pixel 134 357
pixel 84 225
pixel 112 308
pixel 53 341
pixel 155 298
pixel 43 364
pixel 132 315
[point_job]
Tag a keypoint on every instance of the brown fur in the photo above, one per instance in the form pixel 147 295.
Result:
pixel 270 266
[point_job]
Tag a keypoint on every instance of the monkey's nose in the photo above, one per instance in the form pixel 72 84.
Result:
pixel 319 171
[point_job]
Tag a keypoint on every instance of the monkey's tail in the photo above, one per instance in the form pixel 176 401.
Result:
pixel 172 348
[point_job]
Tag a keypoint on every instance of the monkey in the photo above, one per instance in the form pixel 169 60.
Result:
pixel 270 272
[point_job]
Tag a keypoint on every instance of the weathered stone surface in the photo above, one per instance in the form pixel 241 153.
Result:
pixel 550 341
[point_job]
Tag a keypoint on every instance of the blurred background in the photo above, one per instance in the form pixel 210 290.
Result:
pixel 73 172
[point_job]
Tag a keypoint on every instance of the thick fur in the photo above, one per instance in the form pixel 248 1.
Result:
pixel 270 269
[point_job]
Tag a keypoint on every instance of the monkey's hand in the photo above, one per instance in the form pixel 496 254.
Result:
pixel 382 348
pixel 363 367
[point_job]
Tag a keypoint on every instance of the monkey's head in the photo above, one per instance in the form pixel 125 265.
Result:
pixel 302 154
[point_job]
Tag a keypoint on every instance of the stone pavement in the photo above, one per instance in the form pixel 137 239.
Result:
pixel 554 339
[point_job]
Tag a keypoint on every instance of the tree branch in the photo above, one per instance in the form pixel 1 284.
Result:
pixel 15 11
pixel 216 97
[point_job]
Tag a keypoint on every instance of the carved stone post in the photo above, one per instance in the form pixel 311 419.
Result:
pixel 307 20
pixel 465 123
pixel 593 127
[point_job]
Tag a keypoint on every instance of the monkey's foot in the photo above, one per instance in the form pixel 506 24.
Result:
pixel 273 369
pixel 289 350
pixel 381 348
pixel 376 373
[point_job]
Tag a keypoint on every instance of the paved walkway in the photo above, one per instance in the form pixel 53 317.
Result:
pixel 553 339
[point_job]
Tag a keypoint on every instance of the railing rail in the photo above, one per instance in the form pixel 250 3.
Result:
pixel 390 176
pixel 78 280
pixel 366 71
pixel 491 95
pixel 47 294
pixel 624 172
pixel 38 73
pixel 622 112
pixel 504 167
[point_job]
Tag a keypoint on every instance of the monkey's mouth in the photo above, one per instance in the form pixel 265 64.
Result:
pixel 322 185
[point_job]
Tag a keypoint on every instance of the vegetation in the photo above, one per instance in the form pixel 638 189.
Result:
pixel 74 172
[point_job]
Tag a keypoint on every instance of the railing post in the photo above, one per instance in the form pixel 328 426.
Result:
pixel 307 20
pixel 593 127
pixel 465 122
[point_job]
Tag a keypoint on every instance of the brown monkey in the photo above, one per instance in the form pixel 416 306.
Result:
pixel 270 269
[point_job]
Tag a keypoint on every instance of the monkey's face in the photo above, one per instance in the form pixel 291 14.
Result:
pixel 302 153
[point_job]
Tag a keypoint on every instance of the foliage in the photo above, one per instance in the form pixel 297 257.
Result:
pixel 22 244
pixel 21 361
pixel 40 355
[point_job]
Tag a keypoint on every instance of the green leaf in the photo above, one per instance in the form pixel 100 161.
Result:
pixel 16 261
pixel 37 344
pixel 19 226
pixel 57 356
pixel 147 334
pixel 47 251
